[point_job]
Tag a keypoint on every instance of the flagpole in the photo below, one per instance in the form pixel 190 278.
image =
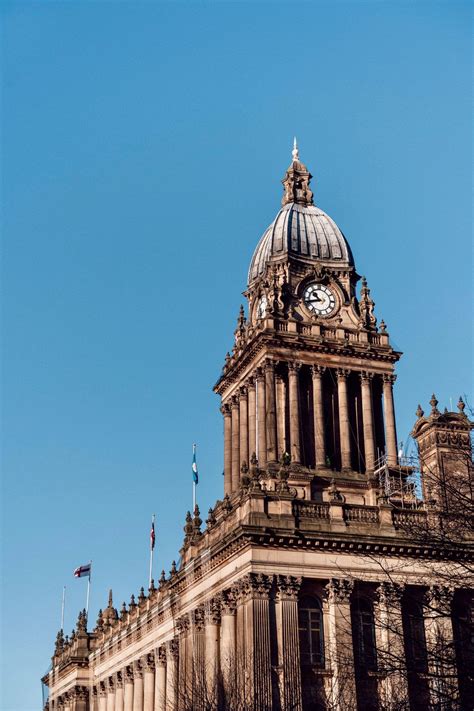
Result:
pixel 194 478
pixel 62 607
pixel 88 589
pixel 151 551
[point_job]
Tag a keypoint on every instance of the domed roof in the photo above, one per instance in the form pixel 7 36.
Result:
pixel 300 229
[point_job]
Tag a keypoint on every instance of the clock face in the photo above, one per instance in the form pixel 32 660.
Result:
pixel 262 307
pixel 319 299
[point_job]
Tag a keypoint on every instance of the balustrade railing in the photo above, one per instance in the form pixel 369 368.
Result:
pixel 408 518
pixel 361 514
pixel 311 509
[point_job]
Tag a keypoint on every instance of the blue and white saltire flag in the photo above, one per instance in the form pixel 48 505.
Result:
pixel 195 466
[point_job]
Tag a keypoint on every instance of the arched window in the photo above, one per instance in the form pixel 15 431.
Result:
pixel 365 651
pixel 310 620
pixel 463 623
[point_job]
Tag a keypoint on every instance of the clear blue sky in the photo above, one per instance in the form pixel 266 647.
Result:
pixel 143 147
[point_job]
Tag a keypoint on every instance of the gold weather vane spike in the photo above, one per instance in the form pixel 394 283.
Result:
pixel 295 153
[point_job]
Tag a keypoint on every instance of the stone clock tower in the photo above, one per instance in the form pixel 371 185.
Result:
pixel 310 374
pixel 320 581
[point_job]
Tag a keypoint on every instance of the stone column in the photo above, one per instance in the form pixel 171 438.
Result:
pixel 160 679
pixel 235 444
pixel 228 646
pixel 128 689
pixel 341 655
pixel 244 431
pixel 137 686
pixel 255 596
pixel 119 700
pixel 342 375
pixel 389 417
pixel 185 659
pixel 110 684
pixel 225 409
pixel 81 698
pixel 294 401
pixel 262 433
pixel 198 661
pixel 252 417
pixel 270 411
pixel 318 414
pixel 443 684
pixel 368 421
pixel 148 664
pixel 288 643
pixel 172 675
pixel 211 666
pixel 281 414
pixel 393 685
pixel 102 696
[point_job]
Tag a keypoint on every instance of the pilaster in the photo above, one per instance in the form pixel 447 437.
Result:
pixel 318 414
pixel 137 686
pixel 172 656
pixel 393 686
pixel 342 376
pixel 440 646
pixel 341 655
pixel 261 419
pixel 288 642
pixel 368 421
pixel 270 410
pixel 148 665
pixel 160 679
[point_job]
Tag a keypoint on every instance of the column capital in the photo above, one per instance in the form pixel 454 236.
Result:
pixel 390 594
pixel 366 376
pixel 137 669
pixel 342 373
pixel 148 662
pixel 172 649
pixel 250 382
pixel 197 616
pixel 389 378
pixel 182 625
pixel 294 368
pixel 234 401
pixel 288 587
pixel 160 656
pixel 229 602
pixel 119 680
pixel 260 373
pixel 317 370
pixel 439 598
pixel 103 688
pixel 111 683
pixel 225 409
pixel 213 610
pixel 128 674
pixel 254 586
pixel 339 590
pixel 243 392
pixel 269 364
pixel 79 693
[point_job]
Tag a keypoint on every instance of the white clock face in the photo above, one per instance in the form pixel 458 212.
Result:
pixel 319 299
pixel 262 307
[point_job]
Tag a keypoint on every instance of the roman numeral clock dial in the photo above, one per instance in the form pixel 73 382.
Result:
pixel 319 299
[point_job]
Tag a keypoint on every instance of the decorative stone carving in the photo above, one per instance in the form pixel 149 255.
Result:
pixel 339 590
pixel 182 625
pixel 137 669
pixel 148 663
pixel 254 585
pixel 317 371
pixel 229 602
pixel 439 599
pixel 389 594
pixel 342 373
pixel 119 680
pixel 103 688
pixel 160 656
pixel 198 619
pixel 288 587
pixel 213 610
pixel 172 648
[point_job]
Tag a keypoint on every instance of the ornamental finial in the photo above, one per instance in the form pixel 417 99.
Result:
pixel 461 405
pixel 295 153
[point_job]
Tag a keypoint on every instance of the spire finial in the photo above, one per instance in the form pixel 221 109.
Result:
pixel 111 602
pixel 295 153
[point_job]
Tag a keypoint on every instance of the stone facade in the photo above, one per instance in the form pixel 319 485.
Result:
pixel 321 580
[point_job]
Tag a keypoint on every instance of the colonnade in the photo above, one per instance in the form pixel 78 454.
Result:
pixel 264 417
pixel 221 654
